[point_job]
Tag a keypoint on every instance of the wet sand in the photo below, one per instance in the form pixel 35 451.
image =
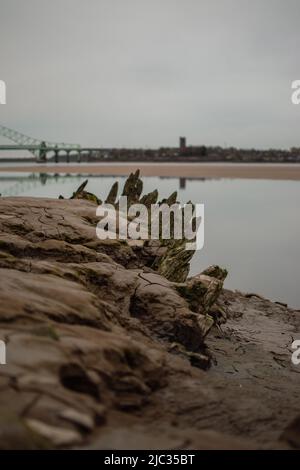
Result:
pixel 178 170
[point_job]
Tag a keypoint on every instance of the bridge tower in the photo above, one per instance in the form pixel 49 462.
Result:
pixel 56 151
pixel 42 152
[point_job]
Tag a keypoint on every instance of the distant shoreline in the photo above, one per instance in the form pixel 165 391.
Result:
pixel 177 170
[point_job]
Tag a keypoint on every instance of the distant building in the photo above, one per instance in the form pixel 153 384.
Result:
pixel 191 150
pixel 182 144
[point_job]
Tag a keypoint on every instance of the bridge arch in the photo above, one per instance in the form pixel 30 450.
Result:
pixel 41 152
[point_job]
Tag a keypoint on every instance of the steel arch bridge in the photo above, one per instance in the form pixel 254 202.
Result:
pixel 37 147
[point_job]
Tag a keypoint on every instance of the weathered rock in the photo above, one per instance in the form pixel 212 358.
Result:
pixel 81 194
pixel 171 199
pixel 104 337
pixel 170 258
pixel 174 264
pixel 201 292
pixel 113 193
pixel 150 198
pixel 133 188
pixel 292 433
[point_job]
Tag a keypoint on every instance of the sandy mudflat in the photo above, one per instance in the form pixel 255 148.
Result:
pixel 178 170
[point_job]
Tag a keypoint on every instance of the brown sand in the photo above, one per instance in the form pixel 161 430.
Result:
pixel 179 170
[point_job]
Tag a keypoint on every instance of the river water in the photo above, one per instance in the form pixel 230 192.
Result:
pixel 252 227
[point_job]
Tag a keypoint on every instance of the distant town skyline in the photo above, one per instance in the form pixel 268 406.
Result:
pixel 135 73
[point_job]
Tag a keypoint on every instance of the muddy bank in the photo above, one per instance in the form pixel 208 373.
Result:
pixel 110 345
pixel 176 170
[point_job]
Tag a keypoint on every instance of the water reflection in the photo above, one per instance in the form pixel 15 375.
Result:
pixel 252 227
pixel 24 182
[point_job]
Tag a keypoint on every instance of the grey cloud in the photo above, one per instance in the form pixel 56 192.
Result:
pixel 141 72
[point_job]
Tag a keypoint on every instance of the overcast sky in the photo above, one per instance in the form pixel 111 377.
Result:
pixel 143 72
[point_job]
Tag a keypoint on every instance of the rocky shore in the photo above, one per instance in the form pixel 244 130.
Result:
pixel 111 345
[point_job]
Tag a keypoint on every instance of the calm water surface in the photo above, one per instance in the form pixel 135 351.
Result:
pixel 252 227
